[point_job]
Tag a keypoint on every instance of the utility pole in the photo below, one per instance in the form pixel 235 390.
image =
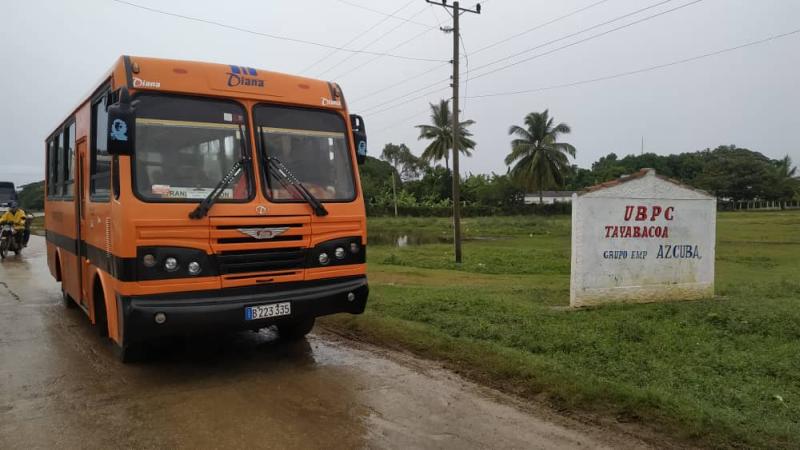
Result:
pixel 457 10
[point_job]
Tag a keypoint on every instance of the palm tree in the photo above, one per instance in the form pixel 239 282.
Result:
pixel 397 156
pixel 788 183
pixel 441 135
pixel 539 159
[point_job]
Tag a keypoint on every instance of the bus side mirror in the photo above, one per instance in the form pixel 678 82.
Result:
pixel 121 125
pixel 359 137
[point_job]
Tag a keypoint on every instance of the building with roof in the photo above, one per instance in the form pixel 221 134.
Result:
pixel 549 197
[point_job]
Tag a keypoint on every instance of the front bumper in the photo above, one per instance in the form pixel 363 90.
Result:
pixel 192 312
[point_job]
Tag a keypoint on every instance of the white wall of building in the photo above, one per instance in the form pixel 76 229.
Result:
pixel 619 248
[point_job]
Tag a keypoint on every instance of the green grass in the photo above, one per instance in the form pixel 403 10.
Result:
pixel 723 372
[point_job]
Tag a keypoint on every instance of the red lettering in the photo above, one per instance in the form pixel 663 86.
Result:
pixel 646 232
pixel 608 230
pixel 616 232
pixel 637 232
pixel 666 233
pixel 658 231
pixel 641 213
pixel 628 212
pixel 668 213
pixel 656 212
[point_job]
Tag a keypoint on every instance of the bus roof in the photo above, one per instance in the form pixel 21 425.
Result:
pixel 224 80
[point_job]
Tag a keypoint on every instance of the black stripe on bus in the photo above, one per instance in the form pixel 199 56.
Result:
pixel 123 269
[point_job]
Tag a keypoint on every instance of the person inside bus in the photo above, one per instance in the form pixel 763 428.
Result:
pixel 17 218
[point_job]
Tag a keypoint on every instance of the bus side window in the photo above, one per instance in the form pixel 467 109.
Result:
pixel 51 167
pixel 69 164
pixel 100 160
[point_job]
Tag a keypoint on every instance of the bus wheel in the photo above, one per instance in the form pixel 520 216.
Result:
pixel 66 299
pixel 296 329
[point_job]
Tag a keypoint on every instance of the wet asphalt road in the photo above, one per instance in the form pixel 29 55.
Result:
pixel 61 387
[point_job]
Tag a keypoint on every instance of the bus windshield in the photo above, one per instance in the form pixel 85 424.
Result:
pixel 7 192
pixel 184 146
pixel 313 145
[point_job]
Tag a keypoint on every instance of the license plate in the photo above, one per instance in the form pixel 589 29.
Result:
pixel 266 311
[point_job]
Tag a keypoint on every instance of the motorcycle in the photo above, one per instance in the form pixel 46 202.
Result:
pixel 10 240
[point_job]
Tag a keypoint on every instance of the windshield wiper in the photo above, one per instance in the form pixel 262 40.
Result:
pixel 202 209
pixel 278 169
pixel 208 202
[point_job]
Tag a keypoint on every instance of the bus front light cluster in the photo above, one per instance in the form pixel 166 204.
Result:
pixel 338 252
pixel 172 262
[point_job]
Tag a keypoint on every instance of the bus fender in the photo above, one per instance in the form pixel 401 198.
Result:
pixel 110 299
pixel 54 264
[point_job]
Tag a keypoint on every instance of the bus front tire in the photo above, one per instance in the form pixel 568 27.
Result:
pixel 296 329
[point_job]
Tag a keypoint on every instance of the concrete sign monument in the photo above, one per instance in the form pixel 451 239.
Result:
pixel 642 238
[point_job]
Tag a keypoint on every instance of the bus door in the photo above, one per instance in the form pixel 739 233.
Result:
pixel 81 187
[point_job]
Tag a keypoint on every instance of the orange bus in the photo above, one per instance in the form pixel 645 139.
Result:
pixel 184 197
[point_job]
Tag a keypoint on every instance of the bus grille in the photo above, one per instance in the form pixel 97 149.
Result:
pixel 261 260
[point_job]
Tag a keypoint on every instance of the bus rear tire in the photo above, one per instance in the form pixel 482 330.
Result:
pixel 296 329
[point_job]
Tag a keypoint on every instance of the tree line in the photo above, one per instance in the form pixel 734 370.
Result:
pixel 401 183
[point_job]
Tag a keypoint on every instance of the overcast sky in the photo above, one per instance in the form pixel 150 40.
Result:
pixel 53 53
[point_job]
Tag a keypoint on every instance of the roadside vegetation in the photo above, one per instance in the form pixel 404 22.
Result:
pixel 723 371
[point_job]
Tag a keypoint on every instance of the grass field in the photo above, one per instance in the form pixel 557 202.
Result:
pixel 722 372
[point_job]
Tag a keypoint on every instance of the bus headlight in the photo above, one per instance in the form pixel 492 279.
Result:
pixel 171 264
pixel 354 248
pixel 324 259
pixel 339 253
pixel 194 268
pixel 159 263
pixel 149 260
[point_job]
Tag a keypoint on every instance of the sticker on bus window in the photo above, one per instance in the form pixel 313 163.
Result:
pixel 160 189
pixel 192 193
pixel 227 117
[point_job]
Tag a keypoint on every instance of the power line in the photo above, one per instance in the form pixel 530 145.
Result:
pixel 409 100
pixel 403 81
pixel 402 121
pixel 353 69
pixel 594 36
pixel 541 25
pixel 536 27
pixel 466 74
pixel 371 42
pixel 354 38
pixel 272 36
pixel 616 75
pixel 392 15
pixel 584 30
pixel 645 69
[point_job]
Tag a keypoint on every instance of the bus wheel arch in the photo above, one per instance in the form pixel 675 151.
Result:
pixel 57 265
pixel 99 308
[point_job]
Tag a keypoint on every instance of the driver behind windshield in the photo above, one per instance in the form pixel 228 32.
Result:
pixel 17 217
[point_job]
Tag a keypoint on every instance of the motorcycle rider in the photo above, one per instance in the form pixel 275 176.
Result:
pixel 17 218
